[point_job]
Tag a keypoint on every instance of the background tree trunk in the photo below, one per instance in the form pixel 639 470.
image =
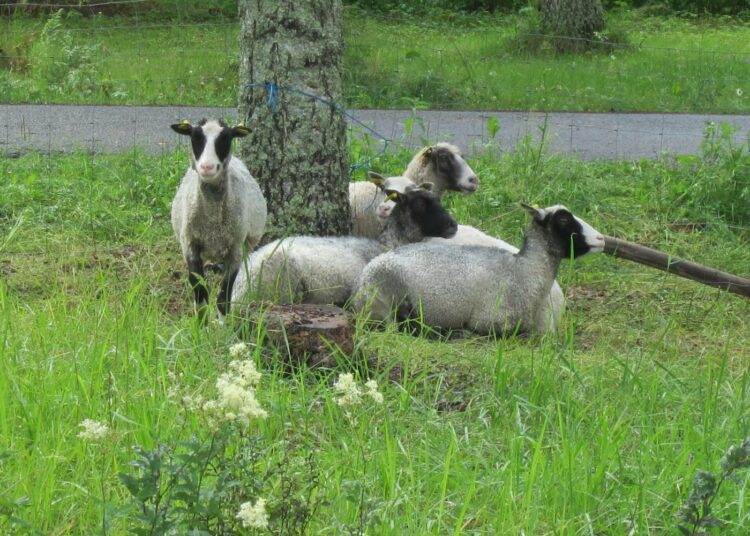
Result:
pixel 573 22
pixel 297 145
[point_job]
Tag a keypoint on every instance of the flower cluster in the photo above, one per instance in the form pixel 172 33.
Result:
pixel 93 430
pixel 253 515
pixel 236 391
pixel 350 394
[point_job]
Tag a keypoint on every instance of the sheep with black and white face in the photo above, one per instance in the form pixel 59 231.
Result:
pixel 218 207
pixel 324 269
pixel 441 164
pixel 549 314
pixel 483 289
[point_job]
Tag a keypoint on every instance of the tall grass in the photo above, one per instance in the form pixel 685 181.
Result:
pixel 598 429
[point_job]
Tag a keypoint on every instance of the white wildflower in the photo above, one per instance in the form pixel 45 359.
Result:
pixel 239 351
pixel 372 392
pixel 245 372
pixel 237 401
pixel 739 92
pixel 253 515
pixel 349 393
pixel 236 394
pixel 93 430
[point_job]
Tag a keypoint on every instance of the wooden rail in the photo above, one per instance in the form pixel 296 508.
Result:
pixel 675 265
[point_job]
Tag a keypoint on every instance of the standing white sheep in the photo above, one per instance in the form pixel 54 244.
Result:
pixel 217 208
pixel 474 287
pixel 441 164
pixel 324 269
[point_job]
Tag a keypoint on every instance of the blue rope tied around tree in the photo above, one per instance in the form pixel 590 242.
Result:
pixel 273 105
pixel 273 97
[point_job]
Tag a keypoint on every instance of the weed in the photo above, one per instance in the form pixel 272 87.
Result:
pixel 60 63
pixel 697 512
pixel 725 186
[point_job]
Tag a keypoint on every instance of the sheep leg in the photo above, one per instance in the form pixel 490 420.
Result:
pixel 231 269
pixel 196 278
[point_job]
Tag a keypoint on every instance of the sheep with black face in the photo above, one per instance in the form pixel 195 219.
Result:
pixel 549 314
pixel 441 164
pixel 324 269
pixel 218 208
pixel 484 289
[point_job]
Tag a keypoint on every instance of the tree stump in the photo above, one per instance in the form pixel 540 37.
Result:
pixel 305 333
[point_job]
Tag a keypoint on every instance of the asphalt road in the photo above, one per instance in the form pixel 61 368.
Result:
pixel 60 128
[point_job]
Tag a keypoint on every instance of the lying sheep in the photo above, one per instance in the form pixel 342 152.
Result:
pixel 473 287
pixel 217 208
pixel 314 269
pixel 466 235
pixel 441 164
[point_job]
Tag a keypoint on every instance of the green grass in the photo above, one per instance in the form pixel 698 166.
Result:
pixel 598 430
pixel 446 62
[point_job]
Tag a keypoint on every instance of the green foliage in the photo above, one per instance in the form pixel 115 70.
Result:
pixel 726 7
pixel 195 487
pixel 493 62
pixel 422 7
pixel 200 486
pixel 697 511
pixel 10 520
pixel 61 65
pixel 158 10
pixel 725 187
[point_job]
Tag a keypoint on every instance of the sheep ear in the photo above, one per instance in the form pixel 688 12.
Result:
pixel 427 186
pixel 184 128
pixel 240 131
pixel 537 214
pixel 375 178
pixel 427 152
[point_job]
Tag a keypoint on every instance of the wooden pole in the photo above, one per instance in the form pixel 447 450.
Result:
pixel 675 265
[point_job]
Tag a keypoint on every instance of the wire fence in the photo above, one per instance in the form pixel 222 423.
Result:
pixel 402 89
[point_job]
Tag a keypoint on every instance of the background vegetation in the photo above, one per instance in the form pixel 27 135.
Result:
pixel 496 62
pixel 599 429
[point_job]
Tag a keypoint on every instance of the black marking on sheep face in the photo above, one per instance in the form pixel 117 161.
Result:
pixel 211 143
pixel 568 231
pixel 198 142
pixel 426 212
pixel 453 170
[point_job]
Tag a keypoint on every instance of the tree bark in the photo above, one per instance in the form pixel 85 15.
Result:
pixel 571 24
pixel 297 144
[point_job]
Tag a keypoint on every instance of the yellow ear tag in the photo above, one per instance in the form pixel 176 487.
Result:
pixel 393 196
pixel 185 122
pixel 535 205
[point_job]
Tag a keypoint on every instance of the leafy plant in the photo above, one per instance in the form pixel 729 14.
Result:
pixel 214 484
pixel 62 64
pixel 697 513
pixel 725 187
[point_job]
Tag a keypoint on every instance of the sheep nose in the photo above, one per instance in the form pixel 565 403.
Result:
pixel 474 180
pixel 207 168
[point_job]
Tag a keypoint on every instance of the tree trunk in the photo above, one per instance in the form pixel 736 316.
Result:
pixel 297 144
pixel 571 24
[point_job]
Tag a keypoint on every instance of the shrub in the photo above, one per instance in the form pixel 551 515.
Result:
pixel 60 64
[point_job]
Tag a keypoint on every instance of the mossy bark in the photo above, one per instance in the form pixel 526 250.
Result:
pixel 573 23
pixel 297 144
